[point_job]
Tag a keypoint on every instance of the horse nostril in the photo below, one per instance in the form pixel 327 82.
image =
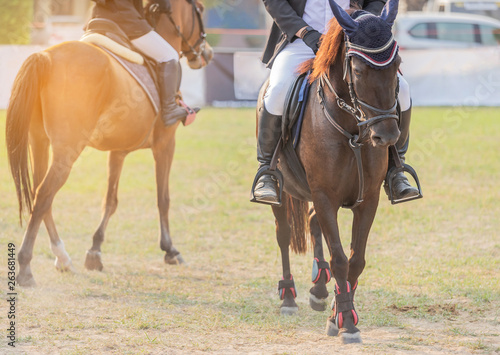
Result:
pixel 378 140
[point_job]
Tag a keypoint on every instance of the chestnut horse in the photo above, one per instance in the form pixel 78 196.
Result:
pixel 74 95
pixel 350 121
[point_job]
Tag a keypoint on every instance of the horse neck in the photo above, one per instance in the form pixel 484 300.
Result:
pixel 167 29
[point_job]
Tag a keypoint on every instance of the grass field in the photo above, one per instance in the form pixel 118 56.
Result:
pixel 431 284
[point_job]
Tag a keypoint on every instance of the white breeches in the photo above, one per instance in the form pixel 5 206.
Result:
pixel 404 94
pixel 283 74
pixel 153 45
pixel 284 71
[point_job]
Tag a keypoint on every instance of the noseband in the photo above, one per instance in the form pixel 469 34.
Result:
pixel 356 110
pixel 154 9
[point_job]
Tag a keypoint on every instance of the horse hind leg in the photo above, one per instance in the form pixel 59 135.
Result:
pixel 93 259
pixel 321 274
pixel 286 286
pixel 40 155
pixel 57 175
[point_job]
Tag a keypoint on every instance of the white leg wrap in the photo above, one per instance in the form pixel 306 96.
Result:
pixel 62 258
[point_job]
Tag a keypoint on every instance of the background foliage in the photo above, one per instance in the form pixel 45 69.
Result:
pixel 15 21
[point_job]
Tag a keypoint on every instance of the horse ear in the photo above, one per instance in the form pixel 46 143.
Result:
pixel 390 11
pixel 343 18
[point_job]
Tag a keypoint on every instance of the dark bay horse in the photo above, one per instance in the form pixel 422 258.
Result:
pixel 351 111
pixel 74 95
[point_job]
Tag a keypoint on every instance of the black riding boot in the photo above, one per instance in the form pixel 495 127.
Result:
pixel 168 76
pixel 269 133
pixel 401 187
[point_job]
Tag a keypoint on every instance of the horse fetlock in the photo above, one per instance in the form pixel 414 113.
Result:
pixel 62 257
pixel 24 258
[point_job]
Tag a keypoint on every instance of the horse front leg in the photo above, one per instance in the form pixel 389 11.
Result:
pixel 363 217
pixel 286 286
pixel 344 318
pixel 321 273
pixel 93 259
pixel 163 153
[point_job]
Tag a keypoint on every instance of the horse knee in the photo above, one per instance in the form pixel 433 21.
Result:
pixel 356 266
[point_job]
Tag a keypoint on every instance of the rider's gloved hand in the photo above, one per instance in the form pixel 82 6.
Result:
pixel 311 38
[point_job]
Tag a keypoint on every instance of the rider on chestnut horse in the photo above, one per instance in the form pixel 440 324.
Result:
pixel 129 15
pixel 295 38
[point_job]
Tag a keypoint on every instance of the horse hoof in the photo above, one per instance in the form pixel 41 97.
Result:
pixel 350 338
pixel 288 311
pixel 93 260
pixel 331 328
pixel 317 304
pixel 174 260
pixel 26 281
pixel 64 267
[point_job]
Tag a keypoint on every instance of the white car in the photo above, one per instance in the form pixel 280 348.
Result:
pixel 415 30
pixel 489 8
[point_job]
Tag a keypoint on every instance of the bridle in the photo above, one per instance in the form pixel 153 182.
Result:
pixel 356 110
pixel 155 10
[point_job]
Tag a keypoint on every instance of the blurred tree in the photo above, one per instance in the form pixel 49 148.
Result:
pixel 15 21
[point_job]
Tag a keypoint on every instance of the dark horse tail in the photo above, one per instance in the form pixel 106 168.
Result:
pixel 24 103
pixel 298 219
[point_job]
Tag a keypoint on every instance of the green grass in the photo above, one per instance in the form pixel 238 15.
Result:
pixel 431 280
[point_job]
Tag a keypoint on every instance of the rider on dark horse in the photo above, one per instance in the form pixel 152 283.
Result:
pixel 129 15
pixel 295 38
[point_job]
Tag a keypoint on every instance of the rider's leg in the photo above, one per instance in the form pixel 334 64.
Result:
pixel 269 115
pixel 401 185
pixel 154 46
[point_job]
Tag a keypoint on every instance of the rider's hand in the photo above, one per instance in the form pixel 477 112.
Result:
pixel 311 38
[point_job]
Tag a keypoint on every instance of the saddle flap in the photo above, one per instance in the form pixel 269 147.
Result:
pixel 294 101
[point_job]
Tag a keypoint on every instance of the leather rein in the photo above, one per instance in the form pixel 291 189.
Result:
pixel 356 111
pixel 202 40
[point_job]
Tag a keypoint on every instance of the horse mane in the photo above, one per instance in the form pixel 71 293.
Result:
pixel 328 53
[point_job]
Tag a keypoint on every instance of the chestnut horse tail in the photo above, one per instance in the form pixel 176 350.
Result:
pixel 24 103
pixel 298 219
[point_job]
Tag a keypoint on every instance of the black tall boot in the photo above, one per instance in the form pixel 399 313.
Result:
pixel 401 187
pixel 269 133
pixel 168 77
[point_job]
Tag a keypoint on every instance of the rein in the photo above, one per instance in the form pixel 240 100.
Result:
pixel 200 43
pixel 356 111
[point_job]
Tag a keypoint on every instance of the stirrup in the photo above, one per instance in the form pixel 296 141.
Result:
pixel 389 180
pixel 266 170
